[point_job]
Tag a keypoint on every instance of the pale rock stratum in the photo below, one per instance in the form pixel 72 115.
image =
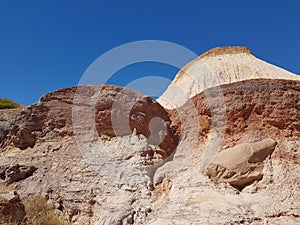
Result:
pixel 219 66
pixel 107 155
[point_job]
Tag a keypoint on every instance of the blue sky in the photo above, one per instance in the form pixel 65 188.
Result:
pixel 47 45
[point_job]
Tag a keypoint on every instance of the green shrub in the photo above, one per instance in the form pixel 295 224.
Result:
pixel 2 119
pixel 8 104
pixel 39 212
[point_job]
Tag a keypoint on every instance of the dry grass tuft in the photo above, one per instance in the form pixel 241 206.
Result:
pixel 5 189
pixel 39 212
pixel 7 223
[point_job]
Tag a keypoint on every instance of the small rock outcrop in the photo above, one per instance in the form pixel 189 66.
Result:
pixel 7 116
pixel 11 208
pixel 242 164
pixel 16 173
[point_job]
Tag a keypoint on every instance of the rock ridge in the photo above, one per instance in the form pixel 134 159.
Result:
pixel 225 50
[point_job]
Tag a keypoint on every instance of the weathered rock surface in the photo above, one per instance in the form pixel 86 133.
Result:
pixel 242 164
pixel 251 111
pixel 16 173
pixel 91 184
pixel 42 135
pixel 191 198
pixel 52 116
pixel 8 116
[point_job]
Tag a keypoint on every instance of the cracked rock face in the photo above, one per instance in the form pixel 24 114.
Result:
pixel 8 116
pixel 16 173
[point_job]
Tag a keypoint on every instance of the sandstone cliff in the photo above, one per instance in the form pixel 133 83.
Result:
pixel 108 155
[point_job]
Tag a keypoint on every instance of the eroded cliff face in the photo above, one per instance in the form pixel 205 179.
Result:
pixel 41 140
pixel 104 154
pixel 52 116
pixel 252 106
pixel 8 116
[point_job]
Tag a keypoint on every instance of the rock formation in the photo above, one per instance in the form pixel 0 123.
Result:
pixel 108 155
pixel 258 114
pixel 8 116
pixel 242 164
pixel 216 67
pixel 16 173
pixel 41 154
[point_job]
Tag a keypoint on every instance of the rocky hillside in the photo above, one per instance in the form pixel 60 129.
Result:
pixel 254 172
pixel 107 155
pixel 39 153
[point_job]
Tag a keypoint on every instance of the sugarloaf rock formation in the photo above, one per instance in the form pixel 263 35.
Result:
pixel 224 152
pixel 216 67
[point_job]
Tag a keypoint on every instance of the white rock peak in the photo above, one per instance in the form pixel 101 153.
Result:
pixel 221 65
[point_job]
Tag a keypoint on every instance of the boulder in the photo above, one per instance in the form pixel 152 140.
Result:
pixel 242 164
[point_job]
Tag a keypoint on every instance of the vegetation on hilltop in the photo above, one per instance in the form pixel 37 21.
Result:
pixel 8 104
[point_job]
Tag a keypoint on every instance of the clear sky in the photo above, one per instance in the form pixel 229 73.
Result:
pixel 47 45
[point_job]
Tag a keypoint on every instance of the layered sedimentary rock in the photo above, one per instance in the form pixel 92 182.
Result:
pixel 104 154
pixel 216 67
pixel 237 186
pixel 52 116
pixel 40 154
